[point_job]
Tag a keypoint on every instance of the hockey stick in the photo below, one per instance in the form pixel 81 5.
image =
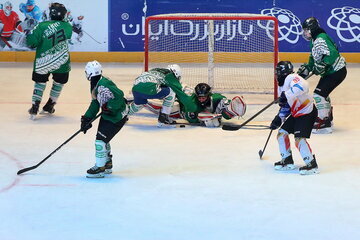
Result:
pixel 261 152
pixel 92 37
pixel 35 166
pixel 237 127
pixel 6 42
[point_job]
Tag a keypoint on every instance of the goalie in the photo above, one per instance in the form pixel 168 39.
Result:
pixel 210 107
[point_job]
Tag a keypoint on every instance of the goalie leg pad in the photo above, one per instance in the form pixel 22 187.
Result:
pixel 210 119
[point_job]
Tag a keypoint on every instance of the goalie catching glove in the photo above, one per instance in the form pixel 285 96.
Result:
pixel 233 108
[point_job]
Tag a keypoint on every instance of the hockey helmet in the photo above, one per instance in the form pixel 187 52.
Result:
pixel 93 69
pixel 7 8
pixel 203 91
pixel 310 26
pixel 176 70
pixel 283 69
pixel 57 11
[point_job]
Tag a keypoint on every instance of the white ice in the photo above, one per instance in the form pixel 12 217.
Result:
pixel 170 184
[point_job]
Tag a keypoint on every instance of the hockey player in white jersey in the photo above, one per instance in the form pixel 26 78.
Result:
pixel 296 116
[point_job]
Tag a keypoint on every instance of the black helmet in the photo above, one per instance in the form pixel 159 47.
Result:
pixel 310 25
pixel 283 69
pixel 203 90
pixel 57 11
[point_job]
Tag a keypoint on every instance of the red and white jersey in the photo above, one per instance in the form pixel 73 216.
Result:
pixel 297 93
pixel 9 23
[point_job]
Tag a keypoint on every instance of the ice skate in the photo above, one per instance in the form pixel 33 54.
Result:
pixel 49 107
pixel 108 165
pixel 322 126
pixel 285 164
pixel 96 172
pixel 309 168
pixel 33 111
pixel 164 120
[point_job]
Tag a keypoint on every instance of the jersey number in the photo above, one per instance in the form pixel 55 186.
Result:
pixel 57 37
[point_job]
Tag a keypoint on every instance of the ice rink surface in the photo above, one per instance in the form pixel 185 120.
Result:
pixel 188 183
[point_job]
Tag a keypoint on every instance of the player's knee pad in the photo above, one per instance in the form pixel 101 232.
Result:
pixel 168 102
pixel 282 133
pixel 101 153
pixel 133 108
pixel 323 106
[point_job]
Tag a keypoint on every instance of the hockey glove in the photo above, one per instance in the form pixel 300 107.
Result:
pixel 85 124
pixel 304 71
pixel 276 123
pixel 282 100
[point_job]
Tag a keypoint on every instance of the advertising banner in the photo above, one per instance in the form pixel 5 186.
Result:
pixel 340 19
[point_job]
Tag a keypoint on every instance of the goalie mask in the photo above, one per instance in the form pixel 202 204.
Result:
pixel 176 70
pixel 283 69
pixel 203 91
pixel 310 27
pixel 7 8
pixel 57 11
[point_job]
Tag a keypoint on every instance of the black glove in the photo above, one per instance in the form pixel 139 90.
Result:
pixel 304 71
pixel 282 100
pixel 85 124
pixel 276 123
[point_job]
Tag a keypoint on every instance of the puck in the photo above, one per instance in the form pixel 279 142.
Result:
pixel 182 125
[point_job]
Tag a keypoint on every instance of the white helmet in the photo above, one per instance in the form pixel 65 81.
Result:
pixel 7 7
pixel 93 69
pixel 176 70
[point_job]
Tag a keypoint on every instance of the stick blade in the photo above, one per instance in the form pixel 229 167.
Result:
pixel 25 170
pixel 230 128
pixel 261 154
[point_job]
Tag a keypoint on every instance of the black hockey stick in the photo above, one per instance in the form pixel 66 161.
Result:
pixel 91 37
pixel 261 152
pixel 237 127
pixel 35 166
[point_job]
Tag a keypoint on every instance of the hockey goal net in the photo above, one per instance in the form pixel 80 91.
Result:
pixel 230 52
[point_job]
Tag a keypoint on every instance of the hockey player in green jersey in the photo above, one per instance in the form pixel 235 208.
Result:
pixel 325 61
pixel 160 83
pixel 50 38
pixel 210 108
pixel 110 99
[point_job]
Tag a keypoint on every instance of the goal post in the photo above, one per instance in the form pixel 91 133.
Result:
pixel 231 52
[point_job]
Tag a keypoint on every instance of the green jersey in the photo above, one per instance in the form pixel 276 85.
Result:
pixel 216 105
pixel 150 83
pixel 52 50
pixel 106 92
pixel 325 58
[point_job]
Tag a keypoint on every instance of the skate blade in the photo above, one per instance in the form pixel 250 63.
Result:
pixel 43 112
pixel 322 131
pixel 108 171
pixel 285 168
pixel 163 125
pixel 309 172
pixel 32 117
pixel 99 175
